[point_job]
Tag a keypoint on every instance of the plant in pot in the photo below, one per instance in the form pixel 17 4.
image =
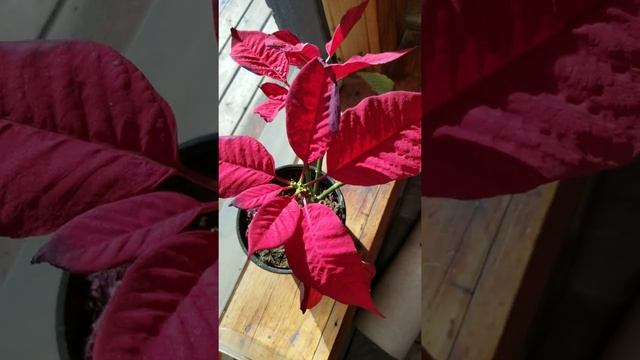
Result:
pixel 297 214
pixel 90 153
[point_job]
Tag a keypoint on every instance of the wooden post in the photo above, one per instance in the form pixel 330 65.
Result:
pixel 378 30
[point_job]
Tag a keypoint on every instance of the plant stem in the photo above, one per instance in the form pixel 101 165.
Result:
pixel 318 171
pixel 283 180
pixel 315 182
pixel 302 173
pixel 333 187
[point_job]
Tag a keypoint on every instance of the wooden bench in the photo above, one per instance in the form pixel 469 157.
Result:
pixel 485 265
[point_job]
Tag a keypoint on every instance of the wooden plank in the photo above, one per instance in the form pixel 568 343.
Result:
pixel 364 36
pixel 25 19
pixel 488 312
pixel 447 306
pixel 379 29
pixel 263 320
pixel 230 16
pixel 234 103
pixel 256 18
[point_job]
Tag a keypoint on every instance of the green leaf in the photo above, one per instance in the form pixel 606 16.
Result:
pixel 379 83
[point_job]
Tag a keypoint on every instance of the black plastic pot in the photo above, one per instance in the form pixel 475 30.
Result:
pixel 74 318
pixel 287 172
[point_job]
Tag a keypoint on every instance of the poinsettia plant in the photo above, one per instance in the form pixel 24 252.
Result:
pixel 375 142
pixel 89 152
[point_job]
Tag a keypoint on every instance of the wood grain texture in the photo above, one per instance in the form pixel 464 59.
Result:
pixel 475 255
pixel 263 321
pixel 378 30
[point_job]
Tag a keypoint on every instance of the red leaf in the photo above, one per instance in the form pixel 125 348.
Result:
pixel 563 108
pixel 276 96
pixel 357 63
pixel 249 49
pixel 167 304
pixel 47 178
pixel 243 163
pixel 274 224
pixel 256 196
pixel 297 53
pixel 323 255
pixel 309 297
pixel 274 91
pixel 313 111
pixel 269 109
pixel 88 92
pixel 287 36
pixel 378 140
pixel 118 232
pixel 346 24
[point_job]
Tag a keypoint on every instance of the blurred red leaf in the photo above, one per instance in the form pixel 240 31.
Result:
pixel 167 304
pixel 118 232
pixel 48 178
pixel 86 91
pixel 556 101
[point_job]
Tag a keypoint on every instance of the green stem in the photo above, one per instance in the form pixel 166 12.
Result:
pixel 318 172
pixel 333 187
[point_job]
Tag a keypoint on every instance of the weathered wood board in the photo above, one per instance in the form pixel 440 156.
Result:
pixel 476 259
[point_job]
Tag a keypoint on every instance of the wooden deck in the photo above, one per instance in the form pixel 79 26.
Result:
pixel 485 264
pixel 238 88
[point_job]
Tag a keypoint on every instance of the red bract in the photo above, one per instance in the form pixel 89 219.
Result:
pixel 88 92
pixel 276 97
pixel 87 142
pixel 243 163
pixel 346 24
pixel 566 108
pixel 167 304
pixel 249 50
pixel 357 63
pixel 323 256
pixel 378 140
pixel 46 178
pixel 313 111
pixel 254 197
pixel 309 297
pixel 297 52
pixel 86 245
pixel 274 224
